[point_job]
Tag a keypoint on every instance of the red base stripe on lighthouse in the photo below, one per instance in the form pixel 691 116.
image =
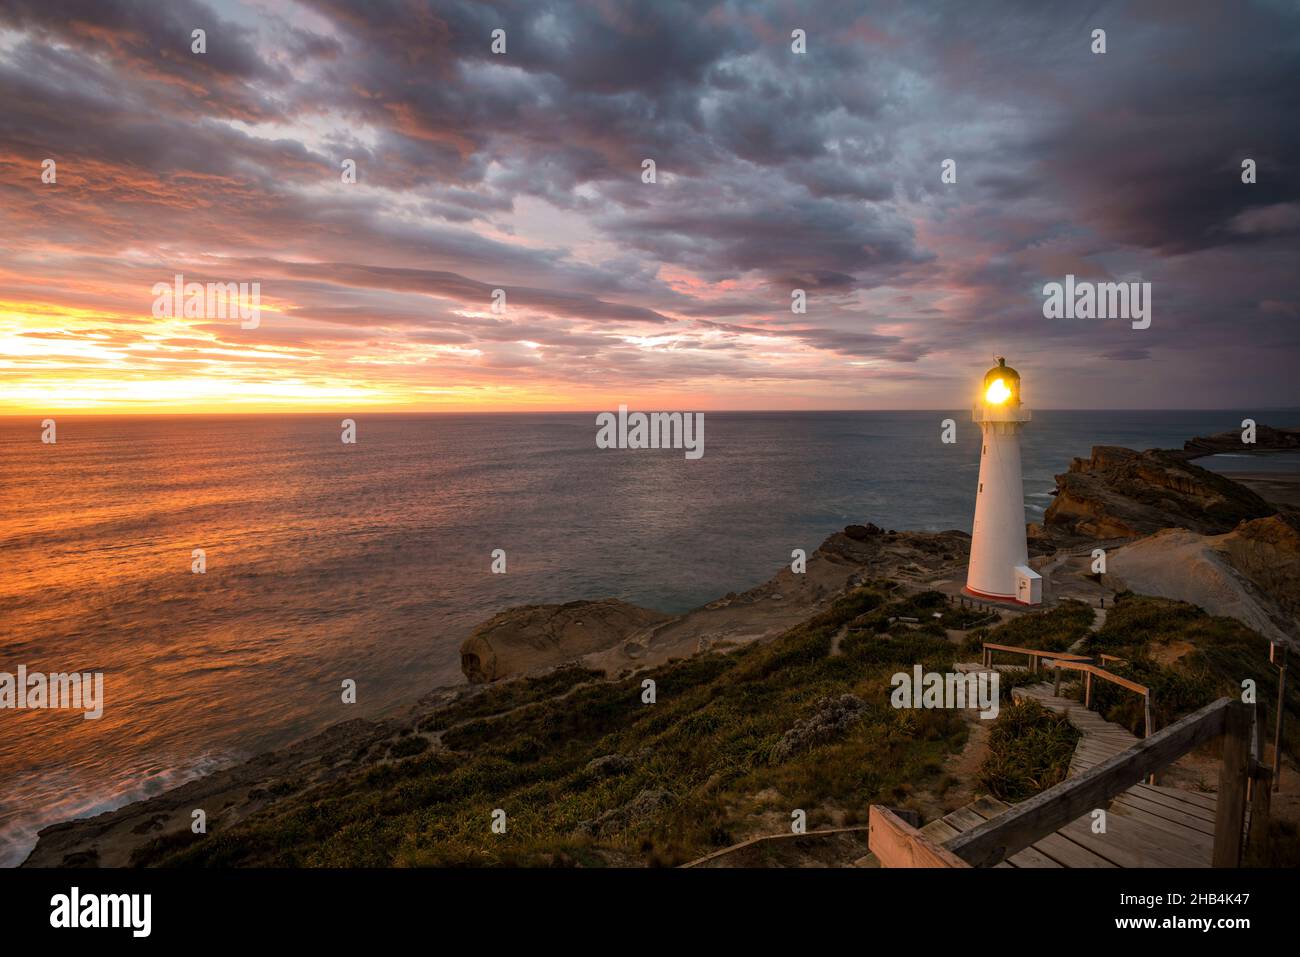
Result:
pixel 983 594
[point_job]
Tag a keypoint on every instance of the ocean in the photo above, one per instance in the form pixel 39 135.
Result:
pixel 372 561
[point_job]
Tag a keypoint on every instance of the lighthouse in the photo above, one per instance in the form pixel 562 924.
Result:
pixel 999 556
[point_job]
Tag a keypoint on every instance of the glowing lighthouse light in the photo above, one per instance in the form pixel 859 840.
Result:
pixel 998 392
pixel 999 554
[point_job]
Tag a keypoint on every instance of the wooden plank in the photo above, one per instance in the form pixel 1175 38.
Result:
pixel 1202 842
pixel 1090 719
pixel 897 844
pixel 1174 800
pixel 1180 818
pixel 1093 746
pixel 939 831
pixel 1096 742
pixel 988 807
pixel 1105 738
pixel 1044 813
pixel 1199 798
pixel 963 819
pixel 1230 812
pixel 1069 854
pixel 1098 756
pixel 1127 843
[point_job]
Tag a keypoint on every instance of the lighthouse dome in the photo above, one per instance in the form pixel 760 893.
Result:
pixel 1002 384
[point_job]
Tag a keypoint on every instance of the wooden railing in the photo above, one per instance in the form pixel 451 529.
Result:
pixel 1009 833
pixel 1089 670
pixel 1035 654
pixel 1259 787
pixel 1082 663
pixel 771 839
pixel 897 844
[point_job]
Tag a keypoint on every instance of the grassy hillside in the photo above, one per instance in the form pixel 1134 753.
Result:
pixel 587 773
pixel 1188 659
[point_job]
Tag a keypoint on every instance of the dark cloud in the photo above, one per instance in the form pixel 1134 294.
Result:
pixel 775 171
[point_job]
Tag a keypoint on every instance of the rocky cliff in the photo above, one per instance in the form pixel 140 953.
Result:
pixel 1267 551
pixel 534 637
pixel 1120 493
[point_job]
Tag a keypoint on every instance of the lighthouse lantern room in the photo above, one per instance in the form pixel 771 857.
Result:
pixel 999 555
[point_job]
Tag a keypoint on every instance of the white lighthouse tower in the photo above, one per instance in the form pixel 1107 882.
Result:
pixel 999 556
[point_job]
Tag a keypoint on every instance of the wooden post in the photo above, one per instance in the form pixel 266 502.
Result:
pixel 1261 796
pixel 1230 809
pixel 1087 689
pixel 1146 726
pixel 1056 689
pixel 1277 733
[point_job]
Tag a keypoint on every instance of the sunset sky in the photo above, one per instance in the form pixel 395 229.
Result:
pixel 522 171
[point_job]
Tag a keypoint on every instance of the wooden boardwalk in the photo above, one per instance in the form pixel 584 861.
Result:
pixel 1146 826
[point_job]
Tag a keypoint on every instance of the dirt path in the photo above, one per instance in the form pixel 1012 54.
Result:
pixel 838 640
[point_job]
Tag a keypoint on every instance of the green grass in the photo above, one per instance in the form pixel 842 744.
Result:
pixel 1052 630
pixel 510 694
pixel 707 741
pixel 1029 751
pixel 1224 653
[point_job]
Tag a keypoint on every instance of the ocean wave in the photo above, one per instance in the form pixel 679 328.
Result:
pixel 51 795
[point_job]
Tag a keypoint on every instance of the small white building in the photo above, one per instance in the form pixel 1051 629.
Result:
pixel 999 553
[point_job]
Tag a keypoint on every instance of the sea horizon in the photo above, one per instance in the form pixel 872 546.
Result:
pixel 353 411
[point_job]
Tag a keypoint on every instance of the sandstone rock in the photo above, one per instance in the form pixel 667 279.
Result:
pixel 1267 551
pixel 534 637
pixel 1251 573
pixel 1120 493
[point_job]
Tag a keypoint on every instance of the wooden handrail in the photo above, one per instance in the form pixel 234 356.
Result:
pixel 1036 651
pixel 773 839
pixel 1090 670
pixel 1100 673
pixel 995 840
pixel 1035 654
pixel 897 844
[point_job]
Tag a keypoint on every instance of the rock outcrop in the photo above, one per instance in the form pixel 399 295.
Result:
pixel 1120 493
pixel 1267 439
pixel 1251 573
pixel 1267 551
pixel 534 637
